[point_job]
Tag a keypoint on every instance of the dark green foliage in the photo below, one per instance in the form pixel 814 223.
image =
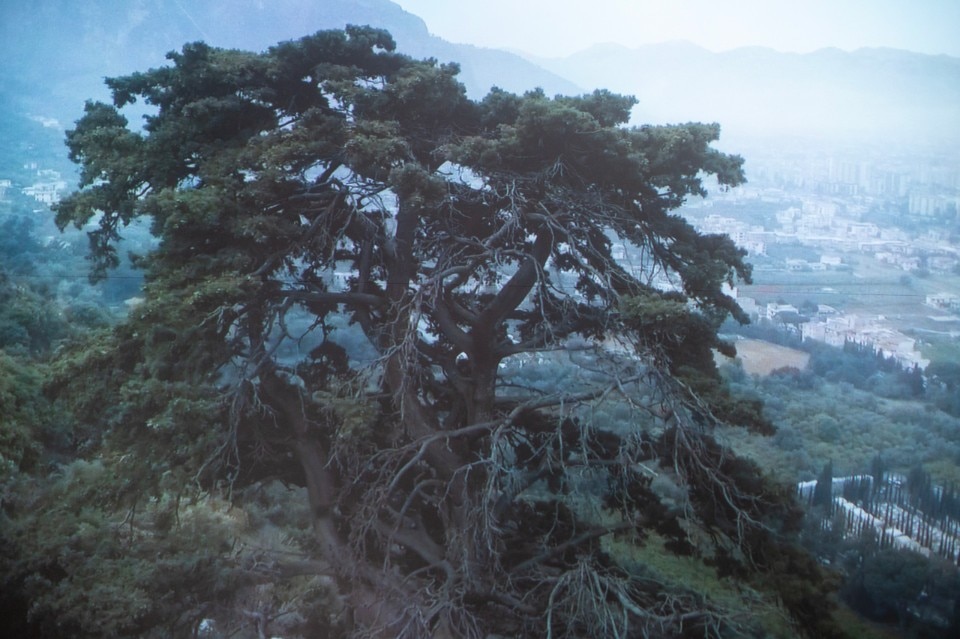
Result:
pixel 17 245
pixel 329 189
pixel 28 423
pixel 817 420
pixel 823 493
pixel 93 561
pixel 896 587
pixel 887 583
pixel 684 342
pixel 29 319
pixel 944 380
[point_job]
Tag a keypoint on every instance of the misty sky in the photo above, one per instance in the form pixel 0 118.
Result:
pixel 561 27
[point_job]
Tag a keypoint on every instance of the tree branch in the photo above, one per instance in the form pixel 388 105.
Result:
pixel 516 289
pixel 367 300
pixel 596 533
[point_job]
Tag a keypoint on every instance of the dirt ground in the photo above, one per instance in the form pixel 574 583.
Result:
pixel 760 358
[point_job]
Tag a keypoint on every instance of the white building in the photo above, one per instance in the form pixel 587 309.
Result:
pixel 47 190
pixel 946 301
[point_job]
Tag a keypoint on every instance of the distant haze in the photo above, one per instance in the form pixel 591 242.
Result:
pixel 736 66
pixel 554 28
pixel 878 95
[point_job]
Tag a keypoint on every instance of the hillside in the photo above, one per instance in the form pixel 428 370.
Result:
pixel 56 52
pixel 866 95
pixel 289 427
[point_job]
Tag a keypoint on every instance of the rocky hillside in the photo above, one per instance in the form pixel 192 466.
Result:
pixel 56 52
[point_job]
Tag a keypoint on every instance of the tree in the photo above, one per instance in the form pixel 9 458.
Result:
pixel 26 419
pixel 26 321
pixel 823 492
pixel 893 579
pixel 330 191
pixel 809 308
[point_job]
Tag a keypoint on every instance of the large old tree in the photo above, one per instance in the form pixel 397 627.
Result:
pixel 357 267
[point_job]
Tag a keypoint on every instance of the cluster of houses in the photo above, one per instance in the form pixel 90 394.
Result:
pixel 944 301
pixel 891 343
pixel 831 326
pixel 47 188
pixel 835 230
pixel 817 225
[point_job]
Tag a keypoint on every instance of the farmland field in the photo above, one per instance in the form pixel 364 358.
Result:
pixel 870 289
pixel 761 358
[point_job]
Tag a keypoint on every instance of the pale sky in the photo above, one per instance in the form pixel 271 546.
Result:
pixel 554 28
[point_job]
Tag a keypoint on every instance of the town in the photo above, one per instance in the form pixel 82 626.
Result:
pixel 847 247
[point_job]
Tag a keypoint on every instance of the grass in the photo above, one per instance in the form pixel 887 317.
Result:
pixel 941 349
pixel 691 574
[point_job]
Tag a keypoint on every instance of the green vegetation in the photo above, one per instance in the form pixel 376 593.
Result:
pixel 818 420
pixel 369 391
pixel 828 427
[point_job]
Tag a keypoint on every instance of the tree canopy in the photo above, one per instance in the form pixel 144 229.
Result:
pixel 354 262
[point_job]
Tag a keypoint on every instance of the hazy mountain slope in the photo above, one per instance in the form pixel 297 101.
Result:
pixel 56 52
pixel 866 94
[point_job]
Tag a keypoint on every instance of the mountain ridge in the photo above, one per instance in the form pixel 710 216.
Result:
pixel 829 92
pixel 866 94
pixel 111 37
pixel 680 43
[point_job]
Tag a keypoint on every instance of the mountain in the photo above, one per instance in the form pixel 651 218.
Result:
pixel 56 52
pixel 868 94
